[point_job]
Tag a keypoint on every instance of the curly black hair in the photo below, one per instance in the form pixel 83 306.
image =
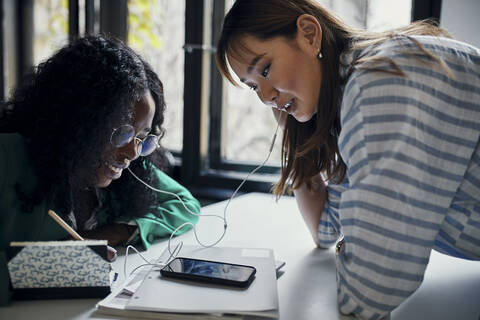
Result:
pixel 66 110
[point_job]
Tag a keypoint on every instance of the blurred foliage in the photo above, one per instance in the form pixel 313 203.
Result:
pixel 51 27
pixel 142 29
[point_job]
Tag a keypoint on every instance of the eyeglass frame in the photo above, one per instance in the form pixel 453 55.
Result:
pixel 139 142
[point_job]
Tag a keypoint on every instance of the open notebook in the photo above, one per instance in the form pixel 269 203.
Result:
pixel 159 298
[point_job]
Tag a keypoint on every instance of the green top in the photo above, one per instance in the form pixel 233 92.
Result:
pixel 166 214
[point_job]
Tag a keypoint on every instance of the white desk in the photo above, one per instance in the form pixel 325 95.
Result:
pixel 307 289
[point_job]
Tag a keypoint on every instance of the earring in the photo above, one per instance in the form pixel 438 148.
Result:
pixel 320 56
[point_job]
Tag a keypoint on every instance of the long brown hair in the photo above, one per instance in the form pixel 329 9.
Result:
pixel 311 147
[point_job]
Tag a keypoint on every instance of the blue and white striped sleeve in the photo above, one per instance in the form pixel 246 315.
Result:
pixel 329 226
pixel 406 142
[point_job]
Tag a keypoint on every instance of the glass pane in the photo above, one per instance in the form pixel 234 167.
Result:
pixel 51 27
pixel 373 15
pixel 10 56
pixel 248 125
pixel 81 17
pixel 156 30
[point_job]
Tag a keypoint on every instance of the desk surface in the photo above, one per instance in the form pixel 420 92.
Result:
pixel 307 289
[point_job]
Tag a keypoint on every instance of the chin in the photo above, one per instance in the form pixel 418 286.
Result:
pixel 103 183
pixel 105 178
pixel 304 118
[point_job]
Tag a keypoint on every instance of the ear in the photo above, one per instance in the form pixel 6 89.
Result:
pixel 309 33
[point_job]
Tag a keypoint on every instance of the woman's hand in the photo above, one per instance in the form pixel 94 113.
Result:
pixel 111 254
pixel 311 202
pixel 115 233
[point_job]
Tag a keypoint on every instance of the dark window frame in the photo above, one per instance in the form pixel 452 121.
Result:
pixel 2 72
pixel 73 20
pixel 426 9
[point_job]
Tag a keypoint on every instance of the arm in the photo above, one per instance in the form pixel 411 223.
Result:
pixel 115 233
pixel 168 212
pixel 311 203
pixel 319 209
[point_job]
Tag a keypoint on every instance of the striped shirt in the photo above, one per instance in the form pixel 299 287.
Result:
pixel 411 146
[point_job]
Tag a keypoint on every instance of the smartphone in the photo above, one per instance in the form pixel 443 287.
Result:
pixel 235 275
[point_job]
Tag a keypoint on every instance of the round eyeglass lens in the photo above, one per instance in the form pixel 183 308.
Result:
pixel 122 136
pixel 149 145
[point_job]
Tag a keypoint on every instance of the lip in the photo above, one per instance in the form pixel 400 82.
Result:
pixel 293 107
pixel 119 166
pixel 114 170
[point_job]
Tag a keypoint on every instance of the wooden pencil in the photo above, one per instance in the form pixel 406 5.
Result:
pixel 64 225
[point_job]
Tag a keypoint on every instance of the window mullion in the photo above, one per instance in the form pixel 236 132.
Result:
pixel 194 10
pixel 426 9
pixel 216 92
pixel 73 23
pixel 89 17
pixel 113 18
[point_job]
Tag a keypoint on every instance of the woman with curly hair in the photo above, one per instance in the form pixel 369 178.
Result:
pixel 68 134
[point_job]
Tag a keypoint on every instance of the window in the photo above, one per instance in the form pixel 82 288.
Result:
pixel 156 30
pixel 217 131
pixel 247 126
pixel 373 15
pixel 50 20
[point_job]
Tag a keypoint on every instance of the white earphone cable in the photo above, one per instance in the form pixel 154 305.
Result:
pixel 179 246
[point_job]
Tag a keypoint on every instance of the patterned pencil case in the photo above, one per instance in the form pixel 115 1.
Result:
pixel 59 269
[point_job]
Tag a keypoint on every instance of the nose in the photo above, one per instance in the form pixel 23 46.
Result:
pixel 131 150
pixel 269 95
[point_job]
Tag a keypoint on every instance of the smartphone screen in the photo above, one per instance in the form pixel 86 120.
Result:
pixel 210 271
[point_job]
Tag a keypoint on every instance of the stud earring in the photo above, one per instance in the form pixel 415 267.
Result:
pixel 320 56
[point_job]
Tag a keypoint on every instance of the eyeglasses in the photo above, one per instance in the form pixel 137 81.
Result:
pixel 123 135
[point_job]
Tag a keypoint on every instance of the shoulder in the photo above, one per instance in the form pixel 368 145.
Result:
pixel 424 111
pixel 16 167
pixel 14 159
pixel 438 73
pixel 11 139
pixel 13 146
pixel 155 172
pixel 415 56
pixel 448 48
pixel 412 47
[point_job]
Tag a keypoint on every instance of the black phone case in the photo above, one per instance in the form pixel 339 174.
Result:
pixel 204 279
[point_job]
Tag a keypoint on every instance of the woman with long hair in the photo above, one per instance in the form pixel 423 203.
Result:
pixel 380 140
pixel 68 135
